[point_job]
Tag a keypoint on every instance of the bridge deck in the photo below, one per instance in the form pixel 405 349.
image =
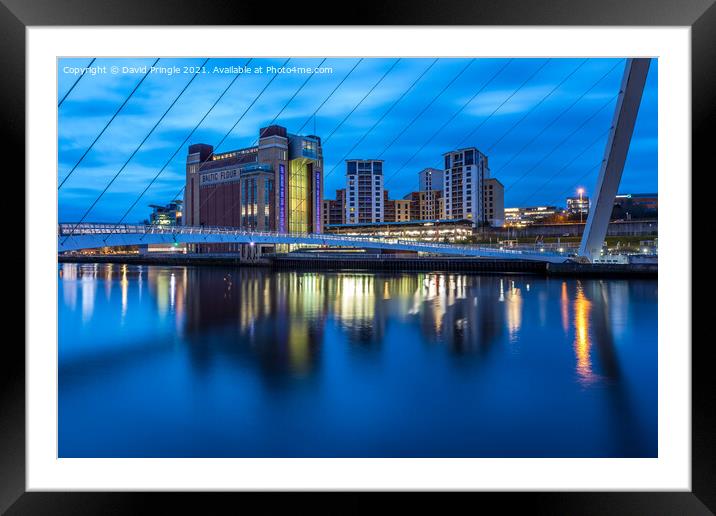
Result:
pixel 72 237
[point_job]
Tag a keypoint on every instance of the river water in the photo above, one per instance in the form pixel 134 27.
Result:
pixel 160 361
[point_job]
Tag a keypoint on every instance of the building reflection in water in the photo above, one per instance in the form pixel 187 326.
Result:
pixel 339 340
pixel 564 305
pixel 513 306
pixel 279 319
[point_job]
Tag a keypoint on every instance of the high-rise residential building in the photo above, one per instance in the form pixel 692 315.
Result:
pixel 334 210
pixel 364 191
pixel 430 179
pixel 493 202
pixel 425 205
pixel 465 172
pixel 276 185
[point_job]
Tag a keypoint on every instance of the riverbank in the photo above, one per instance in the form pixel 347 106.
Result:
pixel 379 262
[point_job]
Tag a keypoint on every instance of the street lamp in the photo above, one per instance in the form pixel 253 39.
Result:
pixel 580 191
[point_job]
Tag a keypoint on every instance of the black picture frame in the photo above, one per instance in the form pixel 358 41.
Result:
pixel 700 15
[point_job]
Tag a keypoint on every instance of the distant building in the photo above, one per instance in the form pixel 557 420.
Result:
pixel 275 185
pixel 577 205
pixel 428 230
pixel 635 206
pixel 493 202
pixel 364 191
pixel 334 210
pixel 530 215
pixel 465 171
pixel 430 179
pixel 402 210
pixel 166 215
pixel 425 205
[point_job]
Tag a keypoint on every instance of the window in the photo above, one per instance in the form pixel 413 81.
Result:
pixel 351 168
pixel 469 157
pixel 377 167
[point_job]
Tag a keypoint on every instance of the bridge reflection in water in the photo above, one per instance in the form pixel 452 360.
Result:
pixel 492 350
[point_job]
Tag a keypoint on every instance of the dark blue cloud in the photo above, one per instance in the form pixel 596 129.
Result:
pixel 504 121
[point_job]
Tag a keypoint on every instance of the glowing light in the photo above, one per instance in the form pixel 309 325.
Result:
pixel 582 341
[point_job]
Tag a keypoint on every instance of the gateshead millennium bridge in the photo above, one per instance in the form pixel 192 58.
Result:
pixel 72 237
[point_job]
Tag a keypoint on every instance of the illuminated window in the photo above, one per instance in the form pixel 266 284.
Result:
pixel 299 203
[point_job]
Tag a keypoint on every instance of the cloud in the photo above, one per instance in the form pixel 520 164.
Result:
pixel 407 106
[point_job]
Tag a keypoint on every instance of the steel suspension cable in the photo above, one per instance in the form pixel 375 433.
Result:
pixel 562 142
pixel 485 120
pixel 328 97
pixel 136 150
pixel 563 168
pixel 75 83
pixel 325 140
pixel 581 178
pixel 261 133
pixel 307 120
pixel 416 117
pixel 502 104
pixel 558 117
pixel 228 133
pixel 531 110
pixel 382 117
pixel 454 115
pixel 179 148
pixel 107 124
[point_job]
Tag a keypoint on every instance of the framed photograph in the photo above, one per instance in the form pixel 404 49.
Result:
pixel 417 253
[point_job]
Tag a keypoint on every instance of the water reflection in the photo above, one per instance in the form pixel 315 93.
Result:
pixel 280 318
pixel 494 353
pixel 582 343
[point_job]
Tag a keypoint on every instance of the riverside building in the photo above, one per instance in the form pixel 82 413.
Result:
pixel 273 186
pixel 465 173
pixel 364 191
pixel 430 179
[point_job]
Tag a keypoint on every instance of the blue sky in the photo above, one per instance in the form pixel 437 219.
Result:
pixel 515 111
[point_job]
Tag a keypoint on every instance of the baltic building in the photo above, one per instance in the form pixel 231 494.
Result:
pixel 273 186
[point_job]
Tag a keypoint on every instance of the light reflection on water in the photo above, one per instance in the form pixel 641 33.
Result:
pixel 521 363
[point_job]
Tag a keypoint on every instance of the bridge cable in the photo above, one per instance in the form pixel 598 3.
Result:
pixel 75 83
pixel 179 148
pixel 422 112
pixel 562 142
pixel 325 140
pixel 395 103
pixel 108 123
pixel 308 120
pixel 330 95
pixel 559 116
pixel 580 180
pixel 563 168
pixel 531 110
pixel 382 117
pixel 261 133
pixel 183 188
pixel 454 115
pixel 211 154
pixel 485 120
pixel 136 150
